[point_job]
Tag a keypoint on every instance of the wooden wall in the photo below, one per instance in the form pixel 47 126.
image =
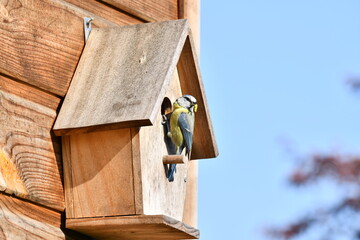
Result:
pixel 40 45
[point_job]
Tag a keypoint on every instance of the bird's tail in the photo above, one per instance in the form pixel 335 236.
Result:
pixel 171 172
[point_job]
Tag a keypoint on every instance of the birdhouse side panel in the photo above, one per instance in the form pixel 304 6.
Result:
pixel 204 145
pixel 99 177
pixel 159 195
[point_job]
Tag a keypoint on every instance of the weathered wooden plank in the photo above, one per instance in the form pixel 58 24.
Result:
pixel 98 167
pixel 121 77
pixel 31 94
pixel 161 196
pixel 153 227
pixel 28 163
pixel 105 11
pixel 41 41
pixel 190 9
pixel 148 10
pixel 23 220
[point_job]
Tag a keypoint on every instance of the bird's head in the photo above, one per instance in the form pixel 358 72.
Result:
pixel 188 102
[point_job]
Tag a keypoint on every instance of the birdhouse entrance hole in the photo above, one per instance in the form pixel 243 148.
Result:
pixel 166 106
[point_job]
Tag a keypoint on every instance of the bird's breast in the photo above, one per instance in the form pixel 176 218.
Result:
pixel 176 134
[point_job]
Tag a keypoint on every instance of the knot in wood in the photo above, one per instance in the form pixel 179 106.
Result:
pixel 142 59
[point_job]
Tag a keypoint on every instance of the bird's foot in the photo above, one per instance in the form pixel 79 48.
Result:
pixel 164 120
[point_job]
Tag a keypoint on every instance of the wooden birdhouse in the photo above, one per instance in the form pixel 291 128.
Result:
pixel 113 140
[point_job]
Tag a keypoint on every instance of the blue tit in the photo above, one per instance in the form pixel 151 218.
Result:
pixel 182 122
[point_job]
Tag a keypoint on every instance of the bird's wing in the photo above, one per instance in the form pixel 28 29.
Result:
pixel 185 123
pixel 170 146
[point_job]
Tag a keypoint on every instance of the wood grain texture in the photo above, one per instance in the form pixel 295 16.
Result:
pixel 204 143
pixel 37 44
pixel 98 8
pixel 159 195
pixel 22 220
pixel 98 179
pixel 26 144
pixel 133 227
pixel 190 9
pixel 136 170
pixel 148 10
pixel 120 79
pixel 67 174
pixel 10 181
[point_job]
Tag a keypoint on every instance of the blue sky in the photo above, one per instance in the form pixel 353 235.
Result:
pixel 274 71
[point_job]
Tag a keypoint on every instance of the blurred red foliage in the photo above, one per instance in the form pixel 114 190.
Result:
pixel 339 167
pixel 344 170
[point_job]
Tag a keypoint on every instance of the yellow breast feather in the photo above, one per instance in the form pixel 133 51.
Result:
pixel 176 134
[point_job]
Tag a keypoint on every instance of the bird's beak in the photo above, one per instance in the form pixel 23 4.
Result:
pixel 195 107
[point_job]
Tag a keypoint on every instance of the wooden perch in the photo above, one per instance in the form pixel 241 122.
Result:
pixel 175 159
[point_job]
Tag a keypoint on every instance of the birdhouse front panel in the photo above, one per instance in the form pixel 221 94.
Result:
pixel 159 195
pixel 98 174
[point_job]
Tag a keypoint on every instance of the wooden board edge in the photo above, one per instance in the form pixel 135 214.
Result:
pixel 181 9
pixel 138 13
pixel 20 89
pixel 136 164
pixel 190 9
pixel 106 11
pixel 25 220
pixel 48 216
pixel 67 174
pixel 86 225
pixel 134 12
pixel 194 232
pixel 202 88
pixel 103 127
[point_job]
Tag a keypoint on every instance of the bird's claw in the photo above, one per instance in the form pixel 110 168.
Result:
pixel 164 121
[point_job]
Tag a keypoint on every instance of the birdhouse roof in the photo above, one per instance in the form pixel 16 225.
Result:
pixel 123 75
